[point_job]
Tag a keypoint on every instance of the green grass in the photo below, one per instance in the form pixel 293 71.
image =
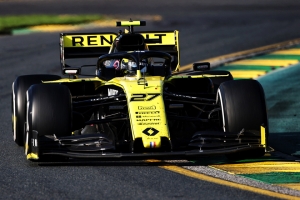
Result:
pixel 20 21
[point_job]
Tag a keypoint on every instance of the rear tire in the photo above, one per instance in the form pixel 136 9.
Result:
pixel 19 88
pixel 243 107
pixel 49 112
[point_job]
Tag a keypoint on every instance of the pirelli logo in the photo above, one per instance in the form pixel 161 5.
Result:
pixel 93 40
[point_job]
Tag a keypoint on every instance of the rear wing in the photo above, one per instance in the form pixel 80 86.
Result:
pixel 166 41
pixel 93 45
pixel 84 45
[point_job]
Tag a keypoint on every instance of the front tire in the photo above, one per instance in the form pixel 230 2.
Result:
pixel 19 88
pixel 243 107
pixel 49 112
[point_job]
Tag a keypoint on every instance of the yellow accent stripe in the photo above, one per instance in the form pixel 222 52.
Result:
pixel 247 73
pixel 262 62
pixel 263 136
pixel 32 156
pixel 259 167
pixel 287 52
pixel 295 186
pixel 203 177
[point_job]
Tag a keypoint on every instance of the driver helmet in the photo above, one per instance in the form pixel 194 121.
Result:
pixel 132 66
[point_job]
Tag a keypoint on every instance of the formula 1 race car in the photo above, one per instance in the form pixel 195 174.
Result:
pixel 135 103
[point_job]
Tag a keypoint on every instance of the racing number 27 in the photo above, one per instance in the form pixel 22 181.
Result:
pixel 144 97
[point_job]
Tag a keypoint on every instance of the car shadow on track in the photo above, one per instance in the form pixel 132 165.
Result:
pixel 203 161
pixel 286 142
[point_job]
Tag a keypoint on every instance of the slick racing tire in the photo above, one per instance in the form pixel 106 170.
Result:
pixel 243 107
pixel 19 88
pixel 49 112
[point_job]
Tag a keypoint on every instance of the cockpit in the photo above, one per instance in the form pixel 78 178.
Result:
pixel 149 63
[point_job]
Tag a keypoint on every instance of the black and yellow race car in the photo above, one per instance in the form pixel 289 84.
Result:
pixel 133 102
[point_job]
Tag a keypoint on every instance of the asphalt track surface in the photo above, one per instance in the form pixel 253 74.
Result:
pixel 207 29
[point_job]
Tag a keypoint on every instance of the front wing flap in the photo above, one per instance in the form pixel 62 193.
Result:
pixel 158 155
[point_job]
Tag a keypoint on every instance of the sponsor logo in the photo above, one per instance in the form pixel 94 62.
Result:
pixel 147 120
pixel 150 131
pixel 112 92
pixel 166 38
pixel 148 124
pixel 147 107
pixel 147 113
pixel 149 116
pixel 95 40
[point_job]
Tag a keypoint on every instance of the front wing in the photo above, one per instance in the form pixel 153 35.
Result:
pixel 158 155
pixel 95 146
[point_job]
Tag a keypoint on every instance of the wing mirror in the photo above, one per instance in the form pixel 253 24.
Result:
pixel 203 66
pixel 71 71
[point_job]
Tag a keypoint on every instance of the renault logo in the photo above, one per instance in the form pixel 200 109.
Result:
pixel 150 131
